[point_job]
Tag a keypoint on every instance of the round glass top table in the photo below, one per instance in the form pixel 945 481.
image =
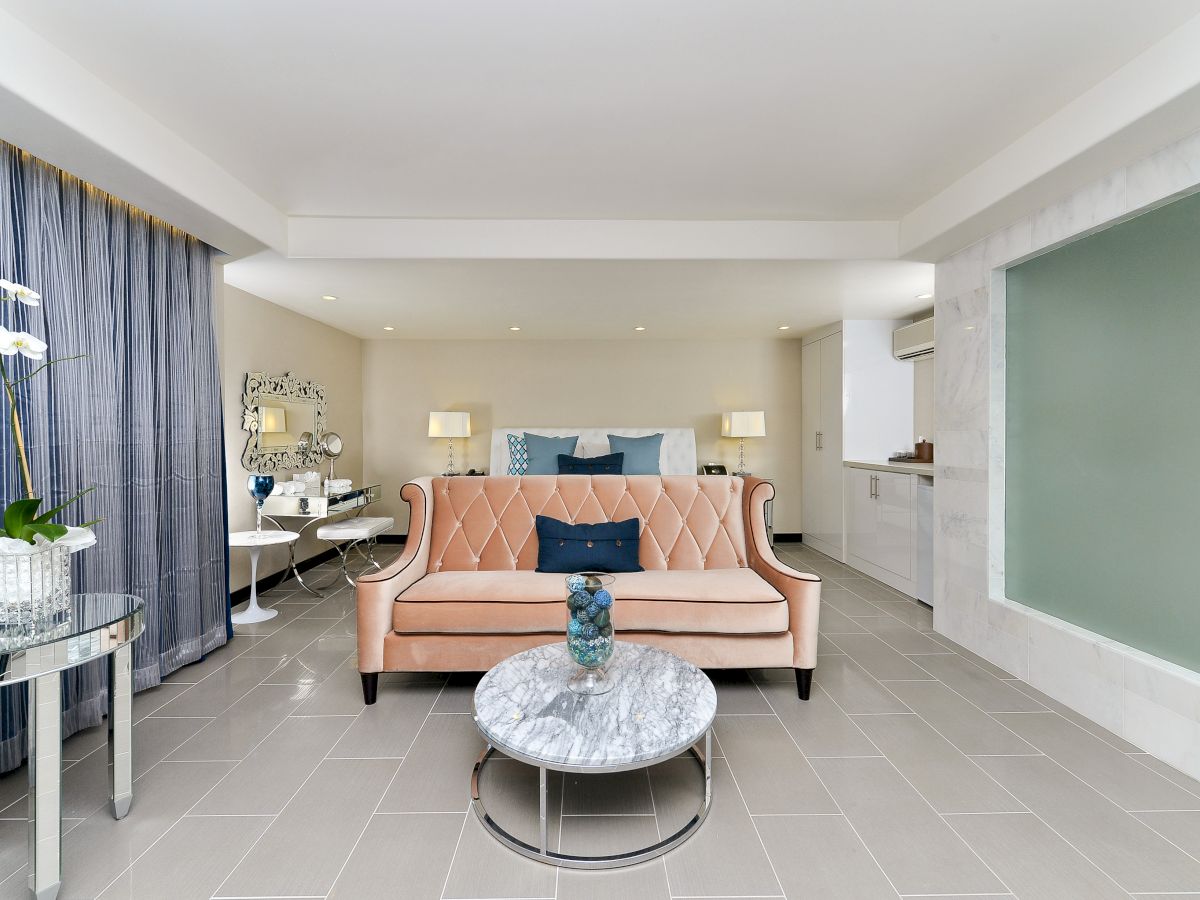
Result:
pixel 660 706
pixel 97 626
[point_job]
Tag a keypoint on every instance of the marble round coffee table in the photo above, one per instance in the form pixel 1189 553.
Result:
pixel 659 707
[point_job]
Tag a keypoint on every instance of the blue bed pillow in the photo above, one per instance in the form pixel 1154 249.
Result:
pixel 543 452
pixel 605 547
pixel 641 453
pixel 590 465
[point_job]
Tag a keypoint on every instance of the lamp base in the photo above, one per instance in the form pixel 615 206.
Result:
pixel 742 474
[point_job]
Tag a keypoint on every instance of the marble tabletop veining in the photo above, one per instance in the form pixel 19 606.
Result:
pixel 659 706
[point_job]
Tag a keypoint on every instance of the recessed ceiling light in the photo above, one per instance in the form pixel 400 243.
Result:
pixel 784 327
pixel 639 327
pixel 389 328
pixel 514 327
pixel 328 297
pixel 924 296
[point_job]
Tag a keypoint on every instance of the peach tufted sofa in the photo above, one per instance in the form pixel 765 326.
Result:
pixel 464 594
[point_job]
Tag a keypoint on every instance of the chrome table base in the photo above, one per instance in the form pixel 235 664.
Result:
pixel 543 853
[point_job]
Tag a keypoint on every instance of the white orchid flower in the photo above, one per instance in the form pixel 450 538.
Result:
pixel 14 342
pixel 19 292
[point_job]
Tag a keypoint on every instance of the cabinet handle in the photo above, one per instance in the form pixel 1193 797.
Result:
pixel 875 487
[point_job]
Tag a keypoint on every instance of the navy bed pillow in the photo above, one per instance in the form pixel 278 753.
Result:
pixel 605 547
pixel 609 464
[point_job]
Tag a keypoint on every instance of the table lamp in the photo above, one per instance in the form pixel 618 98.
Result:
pixel 450 425
pixel 742 425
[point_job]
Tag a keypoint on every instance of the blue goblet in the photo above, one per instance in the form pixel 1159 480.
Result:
pixel 260 487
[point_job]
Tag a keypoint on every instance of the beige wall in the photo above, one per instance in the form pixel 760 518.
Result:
pixel 924 424
pixel 545 383
pixel 257 336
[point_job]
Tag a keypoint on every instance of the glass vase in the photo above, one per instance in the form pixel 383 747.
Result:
pixel 35 592
pixel 590 630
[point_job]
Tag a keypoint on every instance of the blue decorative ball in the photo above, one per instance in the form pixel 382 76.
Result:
pixel 603 599
pixel 575 583
pixel 582 616
pixel 574 628
pixel 579 600
pixel 592 609
pixel 601 619
pixel 590 632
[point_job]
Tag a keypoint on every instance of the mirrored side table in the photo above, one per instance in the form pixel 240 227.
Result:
pixel 100 625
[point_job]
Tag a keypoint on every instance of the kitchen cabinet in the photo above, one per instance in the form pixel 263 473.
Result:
pixel 882 526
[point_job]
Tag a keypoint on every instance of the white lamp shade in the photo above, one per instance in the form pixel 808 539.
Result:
pixel 273 420
pixel 449 424
pixel 744 424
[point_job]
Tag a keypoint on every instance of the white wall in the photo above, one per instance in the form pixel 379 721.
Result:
pixel 544 383
pixel 257 336
pixel 924 411
pixel 1151 703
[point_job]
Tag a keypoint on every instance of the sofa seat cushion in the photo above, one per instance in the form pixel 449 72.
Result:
pixel 712 601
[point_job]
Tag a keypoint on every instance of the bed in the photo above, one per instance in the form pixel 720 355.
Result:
pixel 677 455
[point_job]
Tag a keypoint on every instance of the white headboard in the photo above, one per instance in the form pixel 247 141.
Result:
pixel 676 457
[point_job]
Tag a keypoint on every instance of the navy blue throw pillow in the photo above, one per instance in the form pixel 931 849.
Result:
pixel 605 547
pixel 590 465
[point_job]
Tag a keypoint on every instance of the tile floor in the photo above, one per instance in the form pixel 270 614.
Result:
pixel 916 769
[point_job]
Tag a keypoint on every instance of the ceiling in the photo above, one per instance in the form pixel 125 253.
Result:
pixel 479 299
pixel 621 109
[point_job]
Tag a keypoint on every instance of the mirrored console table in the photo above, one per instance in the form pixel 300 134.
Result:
pixel 99 625
pixel 315 506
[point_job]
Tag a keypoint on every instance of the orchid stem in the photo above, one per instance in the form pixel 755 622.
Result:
pixel 14 422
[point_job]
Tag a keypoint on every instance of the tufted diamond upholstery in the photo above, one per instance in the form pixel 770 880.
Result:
pixel 487 524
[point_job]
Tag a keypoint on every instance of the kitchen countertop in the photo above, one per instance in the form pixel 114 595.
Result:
pixel 908 468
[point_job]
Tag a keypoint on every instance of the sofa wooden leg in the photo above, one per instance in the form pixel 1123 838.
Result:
pixel 370 681
pixel 803 682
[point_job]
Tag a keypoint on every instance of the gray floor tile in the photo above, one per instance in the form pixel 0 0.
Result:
pixel 947 778
pixel 847 602
pixel 871 590
pixel 853 689
pixel 266 779
pixel 878 659
pixel 436 773
pixel 387 728
pixel 14 847
pixel 220 690
pixel 1167 771
pixel 958 720
pixel 289 640
pixel 914 846
pixel 1071 716
pixel 647 881
pixel 337 606
pixel 771 772
pixel 1180 828
pixel 1128 850
pixel 977 660
pixel 216 658
pixel 417 850
pixel 287 612
pixel 316 662
pixel 725 856
pixel 821 856
pixel 1034 861
pixel 303 850
pixel 602 835
pixel 989 693
pixel 509 790
pixel 899 636
pixel 737 693
pixel 459 694
pixel 913 614
pixel 833 621
pixel 610 794
pixel 101 848
pixel 236 732
pixel 186 863
pixel 1124 781
pixel 346 625
pixel 817 725
pixel 484 868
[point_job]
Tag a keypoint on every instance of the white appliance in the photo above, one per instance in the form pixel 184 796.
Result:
pixel 913 341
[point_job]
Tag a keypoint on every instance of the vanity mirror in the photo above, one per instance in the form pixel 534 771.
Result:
pixel 282 413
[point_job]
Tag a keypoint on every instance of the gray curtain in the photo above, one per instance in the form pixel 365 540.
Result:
pixel 139 418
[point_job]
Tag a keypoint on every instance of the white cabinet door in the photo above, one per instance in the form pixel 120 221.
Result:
pixel 810 424
pixel 894 531
pixel 861 514
pixel 830 455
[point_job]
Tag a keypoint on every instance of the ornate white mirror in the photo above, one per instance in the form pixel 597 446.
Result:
pixel 282 413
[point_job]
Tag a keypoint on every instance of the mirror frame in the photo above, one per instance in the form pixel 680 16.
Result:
pixel 287 387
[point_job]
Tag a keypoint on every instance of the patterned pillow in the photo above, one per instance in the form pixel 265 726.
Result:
pixel 518 455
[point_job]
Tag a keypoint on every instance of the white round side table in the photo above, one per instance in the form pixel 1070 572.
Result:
pixel 256 540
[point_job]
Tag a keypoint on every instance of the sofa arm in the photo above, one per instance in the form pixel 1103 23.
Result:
pixel 378 591
pixel 802 591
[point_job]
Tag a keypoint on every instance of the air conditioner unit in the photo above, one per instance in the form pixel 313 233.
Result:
pixel 913 341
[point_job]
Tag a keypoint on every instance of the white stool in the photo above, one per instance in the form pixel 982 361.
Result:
pixel 359 530
pixel 256 540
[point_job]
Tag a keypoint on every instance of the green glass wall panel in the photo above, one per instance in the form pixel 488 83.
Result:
pixel 1103 433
